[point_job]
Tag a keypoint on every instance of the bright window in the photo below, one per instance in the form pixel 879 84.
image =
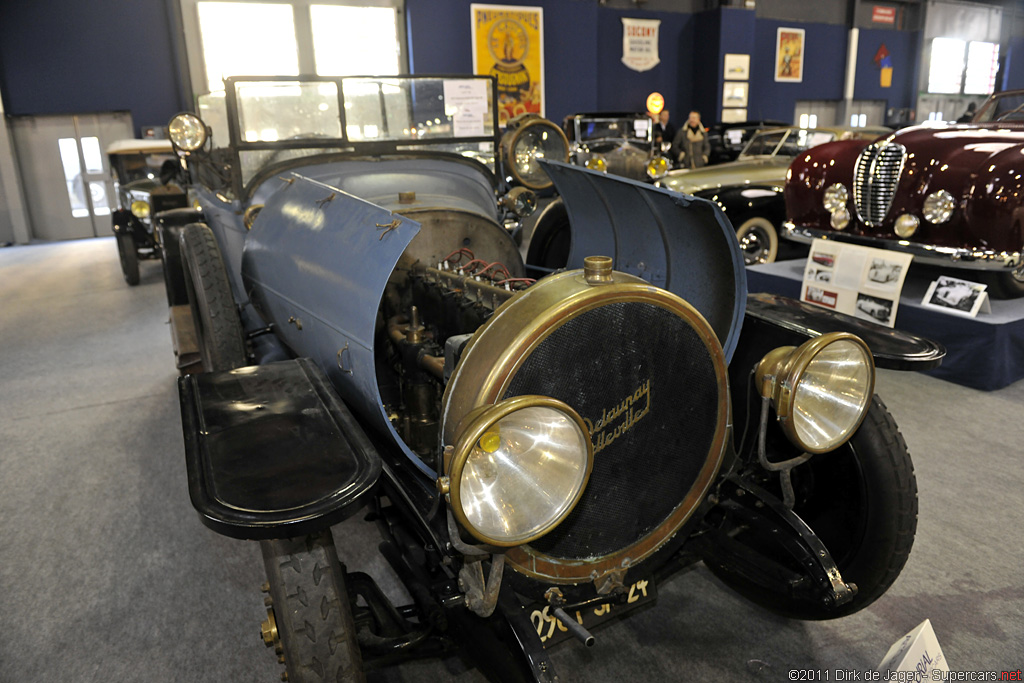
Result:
pixel 355 41
pixel 247 38
pixel 946 72
pixel 982 64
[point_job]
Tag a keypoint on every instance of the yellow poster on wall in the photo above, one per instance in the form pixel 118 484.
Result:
pixel 508 43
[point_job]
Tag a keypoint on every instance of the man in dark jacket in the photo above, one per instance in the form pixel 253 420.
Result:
pixel 690 146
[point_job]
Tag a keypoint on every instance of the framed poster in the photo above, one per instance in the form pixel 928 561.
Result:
pixel 789 55
pixel 735 115
pixel 508 43
pixel 737 67
pixel 734 94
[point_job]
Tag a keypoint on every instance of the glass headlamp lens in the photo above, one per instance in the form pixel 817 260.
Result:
pixel 187 132
pixel 657 167
pixel 938 207
pixel 831 395
pixel 835 197
pixel 821 390
pixel 523 472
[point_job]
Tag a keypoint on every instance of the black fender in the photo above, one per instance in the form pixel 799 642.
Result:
pixel 167 226
pixel 741 201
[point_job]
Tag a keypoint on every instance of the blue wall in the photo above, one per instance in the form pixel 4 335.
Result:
pixel 824 65
pixel 903 49
pixel 65 57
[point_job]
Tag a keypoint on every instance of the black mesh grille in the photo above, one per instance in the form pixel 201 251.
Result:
pixel 876 175
pixel 593 363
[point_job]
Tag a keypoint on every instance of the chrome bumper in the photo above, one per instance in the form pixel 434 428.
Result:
pixel 974 259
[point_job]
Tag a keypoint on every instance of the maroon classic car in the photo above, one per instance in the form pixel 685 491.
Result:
pixel 950 195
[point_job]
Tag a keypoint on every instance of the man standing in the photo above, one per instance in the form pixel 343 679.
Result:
pixel 690 146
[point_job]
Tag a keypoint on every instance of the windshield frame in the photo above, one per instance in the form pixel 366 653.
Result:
pixel 344 145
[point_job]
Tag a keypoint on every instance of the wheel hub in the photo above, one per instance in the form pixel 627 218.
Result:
pixel 754 246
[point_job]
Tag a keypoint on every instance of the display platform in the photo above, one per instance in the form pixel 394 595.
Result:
pixel 984 353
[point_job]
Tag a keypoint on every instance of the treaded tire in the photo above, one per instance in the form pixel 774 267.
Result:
pixel 128 256
pixel 218 329
pixel 312 609
pixel 861 500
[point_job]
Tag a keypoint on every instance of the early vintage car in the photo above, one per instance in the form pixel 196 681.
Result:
pixel 620 143
pixel 950 194
pixel 538 456
pixel 727 139
pixel 145 174
pixel 749 189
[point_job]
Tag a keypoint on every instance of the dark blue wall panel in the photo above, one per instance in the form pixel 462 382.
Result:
pixel 824 66
pixel 620 88
pixel 1013 77
pixel 902 47
pixel 67 56
pixel 63 57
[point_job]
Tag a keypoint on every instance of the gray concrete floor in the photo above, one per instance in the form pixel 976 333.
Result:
pixel 107 574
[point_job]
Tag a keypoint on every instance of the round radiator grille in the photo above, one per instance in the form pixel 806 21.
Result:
pixel 646 382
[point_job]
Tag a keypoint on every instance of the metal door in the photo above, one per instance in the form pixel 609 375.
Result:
pixel 65 173
pixel 815 112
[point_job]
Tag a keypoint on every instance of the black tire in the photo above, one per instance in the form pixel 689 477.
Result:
pixel 759 240
pixel 861 501
pixel 218 329
pixel 129 257
pixel 312 610
pixel 551 240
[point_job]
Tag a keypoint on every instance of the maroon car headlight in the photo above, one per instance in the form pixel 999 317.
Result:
pixel 938 207
pixel 906 225
pixel 840 218
pixel 835 198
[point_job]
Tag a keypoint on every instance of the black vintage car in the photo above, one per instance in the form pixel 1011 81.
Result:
pixel 146 176
pixel 537 456
pixel 727 139
pixel 620 143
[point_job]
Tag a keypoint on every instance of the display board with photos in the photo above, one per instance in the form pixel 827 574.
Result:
pixel 859 281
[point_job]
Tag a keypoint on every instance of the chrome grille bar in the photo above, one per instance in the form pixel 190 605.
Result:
pixel 875 177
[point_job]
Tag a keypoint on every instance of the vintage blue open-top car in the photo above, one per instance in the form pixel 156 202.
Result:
pixel 537 455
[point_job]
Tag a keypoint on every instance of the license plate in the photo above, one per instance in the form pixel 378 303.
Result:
pixel 552 631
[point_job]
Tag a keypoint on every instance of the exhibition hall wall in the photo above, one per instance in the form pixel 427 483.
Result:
pixel 63 56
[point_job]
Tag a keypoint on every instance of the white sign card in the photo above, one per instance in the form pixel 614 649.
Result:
pixel 957 297
pixel 737 67
pixel 465 101
pixel 640 43
pixel 859 281
pixel 918 652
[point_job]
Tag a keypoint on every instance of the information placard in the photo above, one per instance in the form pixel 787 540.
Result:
pixel 859 281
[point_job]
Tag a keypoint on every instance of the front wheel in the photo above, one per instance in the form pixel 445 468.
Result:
pixel 310 620
pixel 128 256
pixel 861 501
pixel 218 329
pixel 759 240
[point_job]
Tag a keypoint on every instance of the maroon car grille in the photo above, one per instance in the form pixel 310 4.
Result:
pixel 875 177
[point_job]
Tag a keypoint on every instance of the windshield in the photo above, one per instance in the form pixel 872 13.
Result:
pixel 787 143
pixel 279 119
pixel 131 167
pixel 1003 107
pixel 621 128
